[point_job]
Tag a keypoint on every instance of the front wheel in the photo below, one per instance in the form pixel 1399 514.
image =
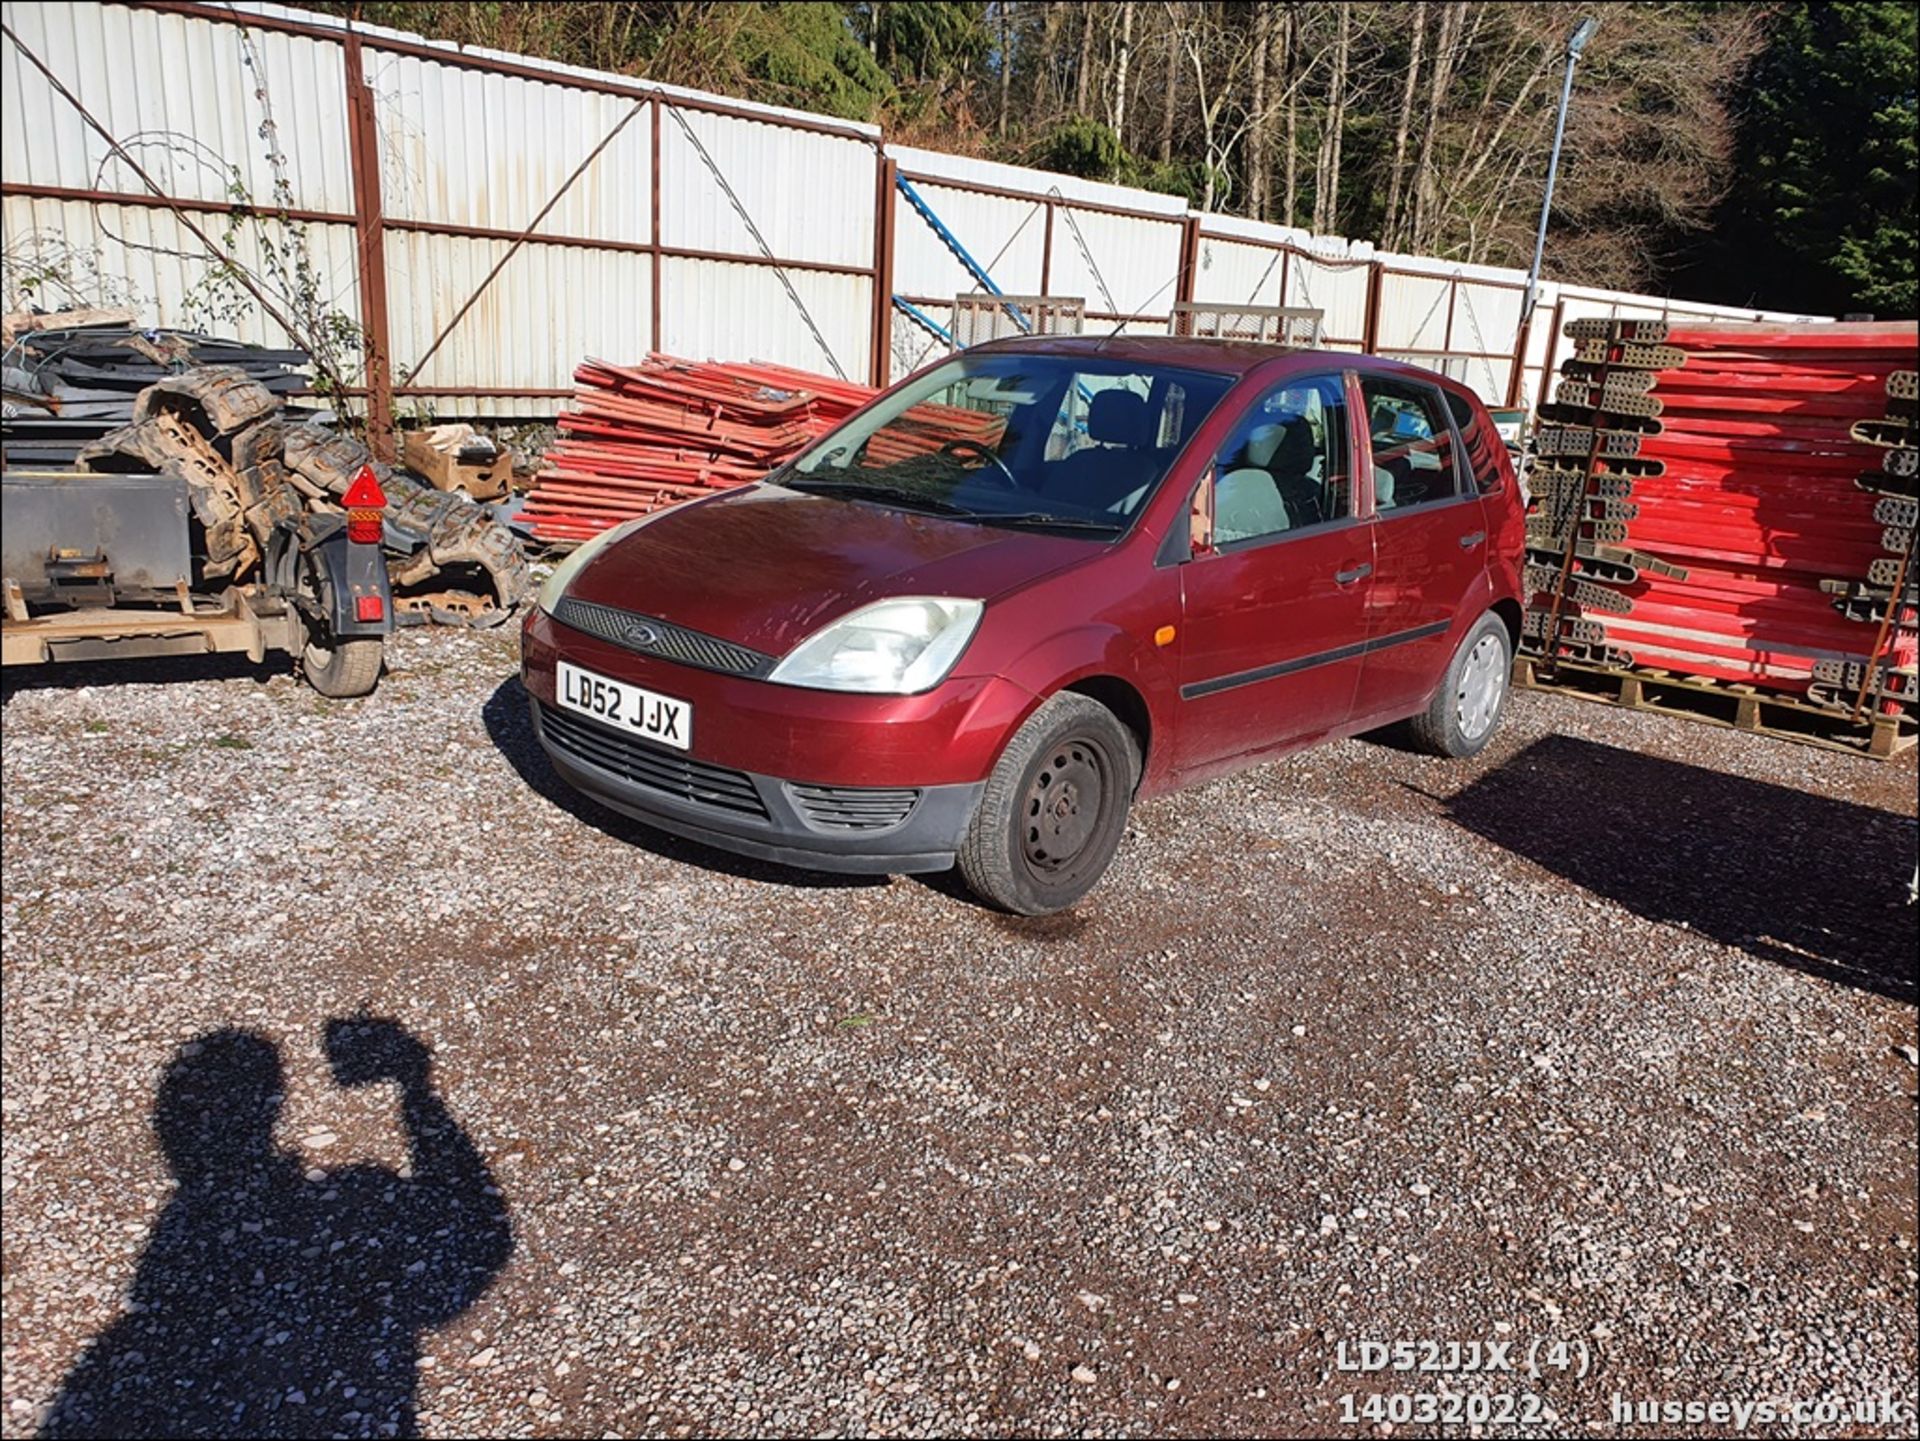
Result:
pixel 1054 809
pixel 1466 708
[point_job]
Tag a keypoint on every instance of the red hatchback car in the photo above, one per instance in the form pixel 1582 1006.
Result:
pixel 1029 585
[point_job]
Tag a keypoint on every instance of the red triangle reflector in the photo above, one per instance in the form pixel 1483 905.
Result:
pixel 365 492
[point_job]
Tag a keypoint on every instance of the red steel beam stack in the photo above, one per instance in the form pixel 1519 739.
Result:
pixel 1729 503
pixel 642 437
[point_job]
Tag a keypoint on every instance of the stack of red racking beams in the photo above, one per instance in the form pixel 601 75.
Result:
pixel 640 437
pixel 1742 515
pixel 646 436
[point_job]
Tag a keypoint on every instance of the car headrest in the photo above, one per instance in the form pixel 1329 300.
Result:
pixel 1296 451
pixel 1262 442
pixel 1118 417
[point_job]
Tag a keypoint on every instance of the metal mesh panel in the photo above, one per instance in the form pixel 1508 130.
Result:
pixel 978 318
pixel 1270 324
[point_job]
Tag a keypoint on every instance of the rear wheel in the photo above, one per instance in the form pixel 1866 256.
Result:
pixel 1054 809
pixel 1466 709
pixel 342 669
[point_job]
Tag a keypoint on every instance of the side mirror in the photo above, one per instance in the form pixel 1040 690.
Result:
pixel 1200 517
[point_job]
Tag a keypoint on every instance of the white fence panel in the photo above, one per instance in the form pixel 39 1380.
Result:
pixel 810 195
pixel 463 147
pixel 79 253
pixel 912 346
pixel 716 310
pixel 1231 272
pixel 1414 311
pixel 1138 259
pixel 1339 290
pixel 182 97
pixel 551 306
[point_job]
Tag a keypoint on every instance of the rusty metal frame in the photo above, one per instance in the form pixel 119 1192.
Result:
pixel 363 145
pixel 370 223
pixel 999 192
pixel 1547 366
pixel 1190 239
pixel 167 202
pixel 1046 251
pixel 521 239
pixel 885 217
pixel 186 220
pixel 369 220
pixel 653 219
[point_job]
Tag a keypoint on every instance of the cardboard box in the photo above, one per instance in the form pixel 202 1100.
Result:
pixel 436 455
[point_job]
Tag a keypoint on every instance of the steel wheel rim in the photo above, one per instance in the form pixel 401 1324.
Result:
pixel 1483 682
pixel 1061 811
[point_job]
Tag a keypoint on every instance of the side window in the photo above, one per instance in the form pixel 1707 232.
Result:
pixel 1284 467
pixel 1481 441
pixel 1413 450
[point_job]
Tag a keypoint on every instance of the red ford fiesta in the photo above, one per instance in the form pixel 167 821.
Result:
pixel 1028 586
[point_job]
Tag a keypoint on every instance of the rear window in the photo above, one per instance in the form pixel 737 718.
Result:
pixel 1485 450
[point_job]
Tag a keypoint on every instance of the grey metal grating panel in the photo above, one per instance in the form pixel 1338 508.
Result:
pixel 854 808
pixel 649 636
pixel 665 771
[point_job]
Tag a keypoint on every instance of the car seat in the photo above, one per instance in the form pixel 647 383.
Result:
pixel 1295 463
pixel 1113 473
pixel 1246 499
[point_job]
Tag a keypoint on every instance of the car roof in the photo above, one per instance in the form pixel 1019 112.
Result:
pixel 1226 357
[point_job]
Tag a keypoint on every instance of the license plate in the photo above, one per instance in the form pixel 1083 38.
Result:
pixel 629 708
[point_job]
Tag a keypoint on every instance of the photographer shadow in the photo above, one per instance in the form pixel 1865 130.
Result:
pixel 276 1301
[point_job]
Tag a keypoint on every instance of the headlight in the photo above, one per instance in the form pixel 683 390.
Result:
pixel 575 560
pixel 892 647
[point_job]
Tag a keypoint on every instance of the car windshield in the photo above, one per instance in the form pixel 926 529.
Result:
pixel 1049 441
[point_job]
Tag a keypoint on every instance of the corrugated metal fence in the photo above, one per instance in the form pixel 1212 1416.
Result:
pixel 490 219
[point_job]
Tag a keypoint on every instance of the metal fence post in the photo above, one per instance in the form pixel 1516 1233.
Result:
pixel 363 143
pixel 1189 260
pixel 1377 274
pixel 880 370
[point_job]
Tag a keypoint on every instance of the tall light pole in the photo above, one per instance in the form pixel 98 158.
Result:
pixel 1576 42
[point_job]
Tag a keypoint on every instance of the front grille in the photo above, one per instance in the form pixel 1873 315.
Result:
pixel 648 636
pixel 851 808
pixel 666 771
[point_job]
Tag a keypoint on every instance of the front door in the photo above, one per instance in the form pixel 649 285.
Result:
pixel 1275 594
pixel 1430 544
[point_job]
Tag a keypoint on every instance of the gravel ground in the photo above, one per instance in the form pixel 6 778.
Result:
pixel 1606 1038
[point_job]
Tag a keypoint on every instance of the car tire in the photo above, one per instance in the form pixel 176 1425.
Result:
pixel 1466 709
pixel 343 669
pixel 1054 809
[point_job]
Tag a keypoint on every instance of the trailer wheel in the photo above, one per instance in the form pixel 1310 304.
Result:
pixel 342 668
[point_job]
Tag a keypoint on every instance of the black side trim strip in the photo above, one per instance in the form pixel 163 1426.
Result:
pixel 1308 662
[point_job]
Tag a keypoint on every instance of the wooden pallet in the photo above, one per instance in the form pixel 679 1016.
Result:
pixel 1733 707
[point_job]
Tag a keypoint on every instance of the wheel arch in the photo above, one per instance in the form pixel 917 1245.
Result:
pixel 1508 609
pixel 1127 704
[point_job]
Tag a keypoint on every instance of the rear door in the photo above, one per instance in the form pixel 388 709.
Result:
pixel 1430 542
pixel 1275 607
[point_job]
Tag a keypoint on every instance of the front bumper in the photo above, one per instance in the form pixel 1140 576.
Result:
pixel 756 815
pixel 784 774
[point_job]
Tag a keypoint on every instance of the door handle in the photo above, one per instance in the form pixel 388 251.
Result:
pixel 1348 577
pixel 1468 542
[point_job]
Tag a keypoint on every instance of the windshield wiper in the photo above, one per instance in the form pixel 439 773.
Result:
pixel 1042 518
pixel 899 494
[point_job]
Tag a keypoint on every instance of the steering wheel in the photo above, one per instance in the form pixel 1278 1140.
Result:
pixel 955 447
